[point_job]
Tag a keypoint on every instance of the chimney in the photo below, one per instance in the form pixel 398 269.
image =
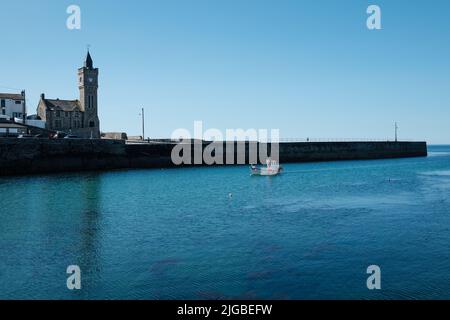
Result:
pixel 42 96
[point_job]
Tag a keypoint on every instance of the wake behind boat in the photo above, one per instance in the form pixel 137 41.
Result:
pixel 272 168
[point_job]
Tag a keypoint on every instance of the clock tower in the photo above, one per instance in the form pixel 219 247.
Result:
pixel 88 85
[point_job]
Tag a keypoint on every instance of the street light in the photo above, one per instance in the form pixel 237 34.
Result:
pixel 143 123
pixel 396 132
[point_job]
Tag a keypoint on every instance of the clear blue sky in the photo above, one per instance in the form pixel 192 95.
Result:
pixel 309 68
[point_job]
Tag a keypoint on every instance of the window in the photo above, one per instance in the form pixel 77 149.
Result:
pixel 18 102
pixel 66 114
pixel 90 102
pixel 91 124
pixel 58 124
pixel 58 113
pixel 76 114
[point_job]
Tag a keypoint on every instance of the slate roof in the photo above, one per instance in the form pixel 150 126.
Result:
pixel 89 63
pixel 63 105
pixel 12 96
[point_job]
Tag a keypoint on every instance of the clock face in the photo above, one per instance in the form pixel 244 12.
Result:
pixel 90 79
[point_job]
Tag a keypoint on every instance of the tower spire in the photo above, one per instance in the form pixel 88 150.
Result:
pixel 89 63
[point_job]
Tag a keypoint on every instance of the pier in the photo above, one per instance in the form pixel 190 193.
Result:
pixel 36 156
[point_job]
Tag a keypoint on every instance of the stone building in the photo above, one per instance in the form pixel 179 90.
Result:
pixel 78 117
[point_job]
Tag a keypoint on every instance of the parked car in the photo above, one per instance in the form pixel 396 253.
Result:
pixel 59 135
pixel 25 136
pixel 71 136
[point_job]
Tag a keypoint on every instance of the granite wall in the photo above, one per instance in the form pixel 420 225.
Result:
pixel 32 156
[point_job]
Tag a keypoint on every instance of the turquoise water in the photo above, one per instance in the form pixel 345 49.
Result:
pixel 164 234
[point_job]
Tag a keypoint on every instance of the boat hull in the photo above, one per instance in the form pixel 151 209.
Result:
pixel 265 172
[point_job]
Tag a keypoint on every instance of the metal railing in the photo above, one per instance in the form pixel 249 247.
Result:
pixel 341 140
pixel 282 140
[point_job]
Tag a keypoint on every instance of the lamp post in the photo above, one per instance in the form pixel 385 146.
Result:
pixel 396 132
pixel 143 124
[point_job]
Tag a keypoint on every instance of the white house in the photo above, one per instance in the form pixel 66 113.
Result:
pixel 12 106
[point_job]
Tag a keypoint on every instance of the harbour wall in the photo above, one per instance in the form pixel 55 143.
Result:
pixel 35 156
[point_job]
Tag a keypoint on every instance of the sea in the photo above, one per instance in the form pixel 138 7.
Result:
pixel 218 233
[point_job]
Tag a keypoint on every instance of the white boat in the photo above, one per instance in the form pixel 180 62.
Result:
pixel 272 168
